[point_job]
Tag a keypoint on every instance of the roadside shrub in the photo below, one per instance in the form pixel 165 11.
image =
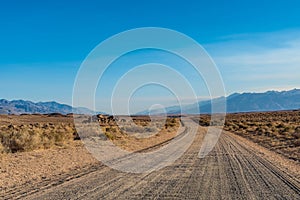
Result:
pixel 110 135
pixel 2 149
pixel 34 136
pixel 297 143
pixel 277 130
pixel 23 141
pixel 296 135
pixel 280 126
pixel 151 129
pixel 133 129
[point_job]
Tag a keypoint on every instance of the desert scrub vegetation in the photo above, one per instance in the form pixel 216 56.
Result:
pixel 28 137
pixel 278 131
pixel 31 132
pixel 2 149
pixel 155 126
pixel 140 127
pixel 141 132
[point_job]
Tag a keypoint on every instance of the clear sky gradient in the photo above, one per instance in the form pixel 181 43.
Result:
pixel 255 44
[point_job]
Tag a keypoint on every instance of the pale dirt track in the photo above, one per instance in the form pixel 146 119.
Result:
pixel 231 171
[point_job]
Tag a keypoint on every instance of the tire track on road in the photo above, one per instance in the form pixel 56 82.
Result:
pixel 231 171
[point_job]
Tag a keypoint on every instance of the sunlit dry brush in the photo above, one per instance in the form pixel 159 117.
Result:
pixel 140 132
pixel 278 131
pixel 16 138
pixel 2 148
pixel 31 132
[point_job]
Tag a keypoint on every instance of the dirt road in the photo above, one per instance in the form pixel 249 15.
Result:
pixel 231 171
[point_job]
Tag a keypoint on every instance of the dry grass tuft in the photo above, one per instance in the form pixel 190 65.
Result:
pixel 278 131
pixel 141 132
pixel 31 132
pixel 30 137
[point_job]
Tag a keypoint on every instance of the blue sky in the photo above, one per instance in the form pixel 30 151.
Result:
pixel 255 44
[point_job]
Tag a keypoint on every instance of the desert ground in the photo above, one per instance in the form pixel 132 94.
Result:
pixel 276 131
pixel 256 157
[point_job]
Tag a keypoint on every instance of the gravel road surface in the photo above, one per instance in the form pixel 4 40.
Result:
pixel 232 170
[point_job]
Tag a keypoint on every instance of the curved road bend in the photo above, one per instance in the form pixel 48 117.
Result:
pixel 230 171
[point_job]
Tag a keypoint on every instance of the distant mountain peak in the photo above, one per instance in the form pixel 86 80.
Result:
pixel 28 107
pixel 246 102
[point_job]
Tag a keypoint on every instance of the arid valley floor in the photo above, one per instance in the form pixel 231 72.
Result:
pixel 256 157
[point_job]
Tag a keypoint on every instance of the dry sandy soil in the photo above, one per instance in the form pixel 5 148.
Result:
pixel 278 131
pixel 236 169
pixel 28 168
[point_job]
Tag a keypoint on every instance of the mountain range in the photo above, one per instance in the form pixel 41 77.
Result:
pixel 29 107
pixel 241 102
pixel 237 102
